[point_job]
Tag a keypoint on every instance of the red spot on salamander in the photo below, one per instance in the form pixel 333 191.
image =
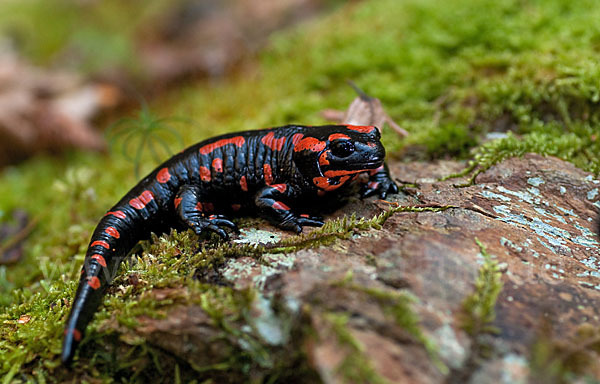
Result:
pixel 361 128
pixel 204 173
pixel 323 158
pixel 342 172
pixel 310 143
pixel 177 201
pixel 335 136
pixel 217 164
pixel 101 243
pixel 118 214
pixel 280 187
pixel 325 184
pixel 94 282
pixel 142 200
pixel 375 171
pixel 208 148
pixel 76 334
pixel 198 207
pixel 296 138
pixel 268 172
pixel 244 183
pixel 100 259
pixel 270 141
pixel 280 205
pixel 305 215
pixel 112 231
pixel 236 207
pixel 163 175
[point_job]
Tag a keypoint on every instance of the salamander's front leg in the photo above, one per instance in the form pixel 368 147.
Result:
pixel 271 205
pixel 380 182
pixel 190 210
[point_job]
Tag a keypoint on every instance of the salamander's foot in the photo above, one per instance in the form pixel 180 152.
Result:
pixel 295 223
pixel 213 223
pixel 380 187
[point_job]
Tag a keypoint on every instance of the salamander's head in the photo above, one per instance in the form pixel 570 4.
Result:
pixel 338 150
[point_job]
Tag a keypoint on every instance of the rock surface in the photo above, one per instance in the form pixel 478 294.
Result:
pixel 536 216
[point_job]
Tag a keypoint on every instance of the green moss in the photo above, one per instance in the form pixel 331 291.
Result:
pixel 478 314
pixel 397 306
pixel 355 366
pixel 556 359
pixel 478 308
pixel 97 36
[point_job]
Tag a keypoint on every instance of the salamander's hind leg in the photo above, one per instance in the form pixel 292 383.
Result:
pixel 190 210
pixel 271 205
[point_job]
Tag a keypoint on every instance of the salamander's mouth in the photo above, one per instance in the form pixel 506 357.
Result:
pixel 374 164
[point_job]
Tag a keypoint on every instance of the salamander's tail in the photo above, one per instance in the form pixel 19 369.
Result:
pixel 110 243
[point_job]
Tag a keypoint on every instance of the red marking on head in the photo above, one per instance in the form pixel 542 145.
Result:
pixel 335 136
pixel 371 144
pixel 101 243
pixel 325 184
pixel 361 128
pixel 204 173
pixel 142 200
pixel 236 207
pixel 270 141
pixel 268 173
pixel 212 217
pixel 342 172
pixel 373 184
pixel 177 201
pixel 244 184
pixel 217 164
pixel 208 148
pixel 94 282
pixel 112 231
pixel 376 171
pixel 323 158
pixel 310 143
pixel 305 215
pixel 118 214
pixel 208 207
pixel 75 332
pixel 280 187
pixel 280 205
pixel 163 175
pixel 198 206
pixel 100 259
pixel 296 138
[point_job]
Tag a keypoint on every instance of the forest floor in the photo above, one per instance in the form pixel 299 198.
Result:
pixel 483 269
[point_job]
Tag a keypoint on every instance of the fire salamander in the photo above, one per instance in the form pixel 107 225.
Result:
pixel 282 174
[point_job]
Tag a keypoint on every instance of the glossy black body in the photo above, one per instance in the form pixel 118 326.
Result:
pixel 280 174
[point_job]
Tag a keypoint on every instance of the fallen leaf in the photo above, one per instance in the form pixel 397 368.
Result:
pixel 47 111
pixel 12 234
pixel 364 110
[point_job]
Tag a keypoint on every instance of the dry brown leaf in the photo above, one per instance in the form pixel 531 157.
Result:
pixel 364 110
pixel 47 111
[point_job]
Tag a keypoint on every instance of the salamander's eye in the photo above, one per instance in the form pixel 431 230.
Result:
pixel 342 148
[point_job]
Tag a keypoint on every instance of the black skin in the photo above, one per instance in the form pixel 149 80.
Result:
pixel 281 174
